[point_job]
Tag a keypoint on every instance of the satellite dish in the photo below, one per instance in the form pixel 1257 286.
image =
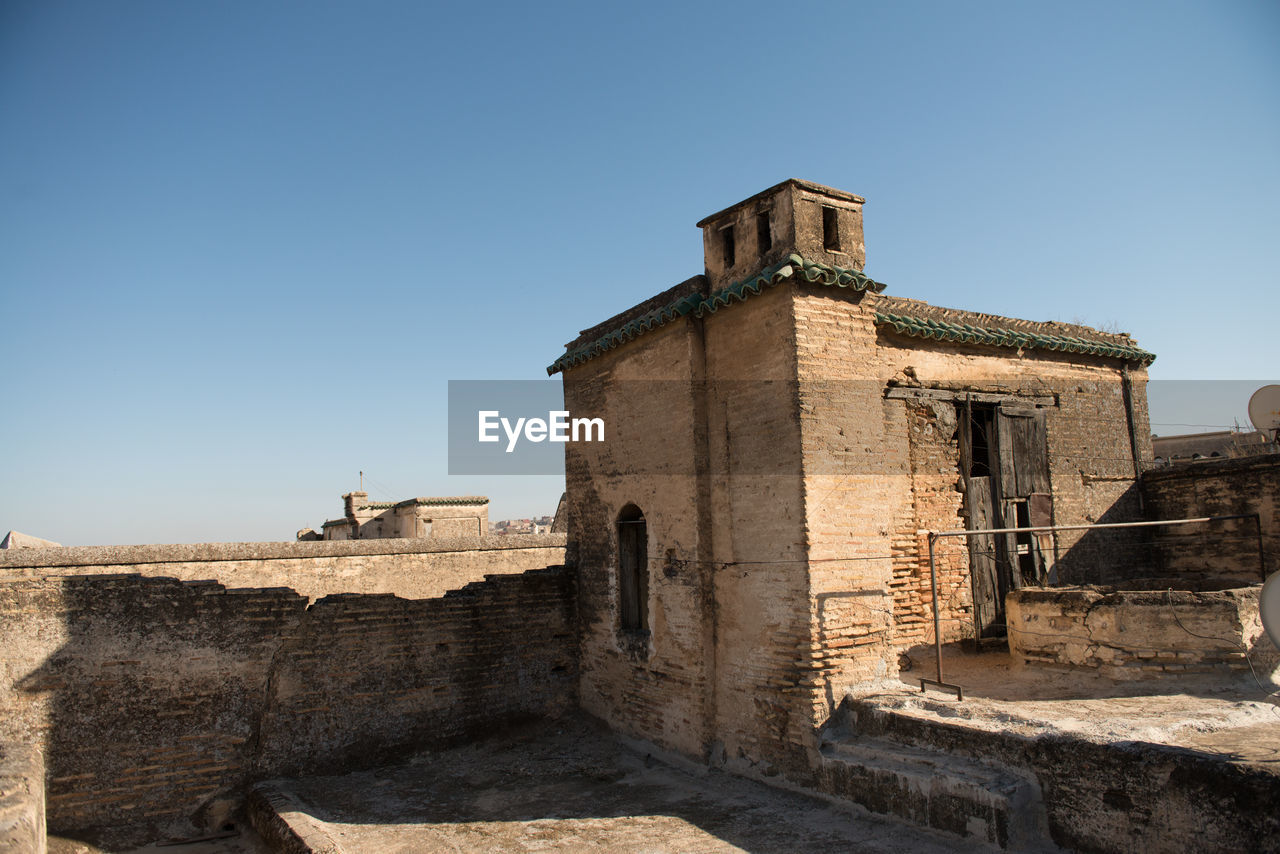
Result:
pixel 1264 408
pixel 1269 607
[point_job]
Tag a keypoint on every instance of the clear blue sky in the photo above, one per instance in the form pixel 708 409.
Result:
pixel 244 245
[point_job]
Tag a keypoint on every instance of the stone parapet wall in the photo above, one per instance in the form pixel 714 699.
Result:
pixel 1219 488
pixel 410 568
pixel 1134 634
pixel 157 701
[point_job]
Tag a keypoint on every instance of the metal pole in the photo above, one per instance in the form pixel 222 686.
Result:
pixel 1262 557
pixel 937 625
pixel 1043 528
pixel 937 619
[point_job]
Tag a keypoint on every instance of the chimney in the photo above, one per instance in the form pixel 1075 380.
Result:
pixel 797 217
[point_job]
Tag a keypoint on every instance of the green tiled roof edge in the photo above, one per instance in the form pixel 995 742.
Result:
pixel 426 502
pixel 941 330
pixel 698 305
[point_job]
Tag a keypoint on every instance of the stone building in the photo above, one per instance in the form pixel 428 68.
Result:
pixel 750 540
pixel 464 516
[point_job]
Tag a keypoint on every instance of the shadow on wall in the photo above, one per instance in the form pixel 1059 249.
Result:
pixel 151 700
pixel 1109 555
pixel 158 701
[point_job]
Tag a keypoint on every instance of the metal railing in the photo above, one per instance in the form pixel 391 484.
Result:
pixel 934 536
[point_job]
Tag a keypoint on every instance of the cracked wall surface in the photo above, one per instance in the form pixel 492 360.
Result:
pixel 1140 634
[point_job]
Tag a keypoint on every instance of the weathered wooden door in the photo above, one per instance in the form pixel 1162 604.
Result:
pixel 1004 465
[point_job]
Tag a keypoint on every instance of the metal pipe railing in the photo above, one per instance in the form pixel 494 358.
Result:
pixel 934 536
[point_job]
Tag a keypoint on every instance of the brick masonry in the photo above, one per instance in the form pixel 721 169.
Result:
pixel 156 701
pixel 1229 549
pixel 787 492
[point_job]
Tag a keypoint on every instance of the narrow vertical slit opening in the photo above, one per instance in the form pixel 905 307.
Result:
pixel 830 230
pixel 764 231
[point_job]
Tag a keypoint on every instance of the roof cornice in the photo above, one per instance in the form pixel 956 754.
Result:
pixel 794 267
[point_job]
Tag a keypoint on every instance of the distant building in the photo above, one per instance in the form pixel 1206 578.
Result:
pixel 536 525
pixel 457 516
pixel 1224 444
pixel 16 540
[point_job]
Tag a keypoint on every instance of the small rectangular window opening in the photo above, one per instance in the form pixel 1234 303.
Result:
pixel 729 247
pixel 830 230
pixel 764 231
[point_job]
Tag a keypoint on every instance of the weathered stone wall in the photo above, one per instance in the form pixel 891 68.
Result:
pixel 705 441
pixel 881 470
pixel 1219 488
pixel 1107 796
pixel 787 504
pixel 363 679
pixel 1139 634
pixel 156 701
pixel 653 684
pixel 22 824
pixel 754 520
pixel 409 568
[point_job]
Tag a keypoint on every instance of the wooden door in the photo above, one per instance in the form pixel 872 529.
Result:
pixel 1005 473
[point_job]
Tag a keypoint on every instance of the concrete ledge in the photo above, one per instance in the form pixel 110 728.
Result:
pixel 284 824
pixel 208 552
pixel 1118 796
pixel 22 825
pixel 1140 634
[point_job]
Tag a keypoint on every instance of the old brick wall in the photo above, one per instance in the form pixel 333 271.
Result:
pixel 858 497
pixel 705 440
pixel 755 519
pixel 653 684
pixel 143 692
pixel 881 470
pixel 363 679
pixel 1218 488
pixel 411 568
pixel 156 700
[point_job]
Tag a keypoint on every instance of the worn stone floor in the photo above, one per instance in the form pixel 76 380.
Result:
pixel 244 842
pixel 572 786
pixel 1237 718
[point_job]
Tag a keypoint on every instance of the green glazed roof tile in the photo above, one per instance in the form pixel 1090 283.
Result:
pixel 943 330
pixel 699 306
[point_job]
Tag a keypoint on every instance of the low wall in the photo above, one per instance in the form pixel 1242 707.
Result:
pixel 1129 796
pixel 1134 634
pixel 410 568
pixel 157 701
pixel 22 829
pixel 1218 488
